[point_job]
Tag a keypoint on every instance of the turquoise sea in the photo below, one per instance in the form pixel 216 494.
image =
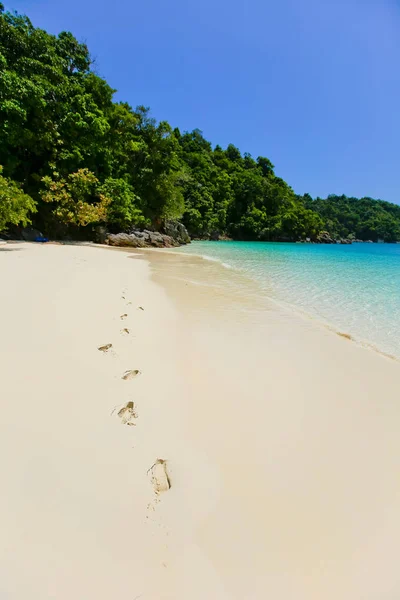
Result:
pixel 354 288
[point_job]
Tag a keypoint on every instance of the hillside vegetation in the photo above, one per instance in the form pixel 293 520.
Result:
pixel 72 158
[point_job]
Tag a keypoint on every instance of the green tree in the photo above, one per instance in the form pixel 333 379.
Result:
pixel 15 206
pixel 78 199
pixel 124 210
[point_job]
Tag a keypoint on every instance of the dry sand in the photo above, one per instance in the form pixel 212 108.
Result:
pixel 281 439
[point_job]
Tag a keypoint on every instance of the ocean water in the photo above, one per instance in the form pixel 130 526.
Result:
pixel 355 288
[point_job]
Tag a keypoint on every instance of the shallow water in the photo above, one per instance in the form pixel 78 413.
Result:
pixel 354 288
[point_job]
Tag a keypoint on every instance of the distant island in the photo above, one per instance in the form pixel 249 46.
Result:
pixel 73 160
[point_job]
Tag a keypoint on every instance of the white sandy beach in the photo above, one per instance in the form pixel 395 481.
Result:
pixel 281 439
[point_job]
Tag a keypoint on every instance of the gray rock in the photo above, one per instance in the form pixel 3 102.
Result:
pixel 141 239
pixel 325 238
pixel 125 239
pixel 142 235
pixel 176 231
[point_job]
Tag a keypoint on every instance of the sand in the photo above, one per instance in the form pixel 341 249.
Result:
pixel 249 454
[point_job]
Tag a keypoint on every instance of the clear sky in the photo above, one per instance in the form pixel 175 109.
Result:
pixel 314 85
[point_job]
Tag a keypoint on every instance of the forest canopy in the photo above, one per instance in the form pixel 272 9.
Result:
pixel 71 157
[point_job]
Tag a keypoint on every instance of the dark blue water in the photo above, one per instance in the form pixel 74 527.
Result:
pixel 355 288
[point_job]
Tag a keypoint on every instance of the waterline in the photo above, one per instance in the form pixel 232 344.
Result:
pixel 355 289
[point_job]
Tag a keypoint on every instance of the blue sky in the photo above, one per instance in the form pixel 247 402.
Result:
pixel 312 84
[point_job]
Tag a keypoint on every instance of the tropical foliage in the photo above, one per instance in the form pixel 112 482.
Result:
pixel 15 206
pixel 364 218
pixel 73 157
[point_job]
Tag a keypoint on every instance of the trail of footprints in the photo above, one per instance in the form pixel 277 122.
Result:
pixel 127 414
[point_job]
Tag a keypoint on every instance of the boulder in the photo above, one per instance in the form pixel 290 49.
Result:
pixel 176 231
pixel 125 239
pixel 325 238
pixel 141 239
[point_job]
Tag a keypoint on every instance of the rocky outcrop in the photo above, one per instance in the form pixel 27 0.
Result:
pixel 177 231
pixel 325 238
pixel 173 234
pixel 141 239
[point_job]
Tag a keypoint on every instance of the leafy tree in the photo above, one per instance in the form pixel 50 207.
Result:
pixel 78 199
pixel 15 206
pixel 124 209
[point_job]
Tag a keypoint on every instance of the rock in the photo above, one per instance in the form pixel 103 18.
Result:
pixel 125 239
pixel 346 241
pixel 325 238
pixel 159 476
pixel 214 236
pixel 177 231
pixel 141 239
pixel 158 240
pixel 201 237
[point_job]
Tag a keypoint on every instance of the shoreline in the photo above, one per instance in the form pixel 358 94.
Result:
pixel 281 440
pixel 301 313
pixel 301 420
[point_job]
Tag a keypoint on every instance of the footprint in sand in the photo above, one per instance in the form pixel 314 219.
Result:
pixel 159 476
pixel 140 308
pixel 130 374
pixel 104 348
pixel 127 414
pixel 125 330
pixel 122 317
